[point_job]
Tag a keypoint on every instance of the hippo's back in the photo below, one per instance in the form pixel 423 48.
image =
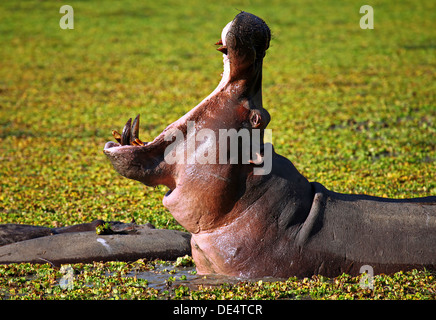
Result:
pixel 387 234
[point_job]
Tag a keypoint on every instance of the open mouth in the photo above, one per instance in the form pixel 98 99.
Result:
pixel 130 133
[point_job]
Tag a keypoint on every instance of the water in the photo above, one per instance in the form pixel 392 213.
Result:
pixel 159 277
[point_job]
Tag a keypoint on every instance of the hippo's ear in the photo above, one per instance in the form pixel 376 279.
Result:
pixel 259 119
pixel 255 118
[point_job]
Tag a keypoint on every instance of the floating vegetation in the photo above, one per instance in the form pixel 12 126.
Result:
pixel 163 280
pixel 353 109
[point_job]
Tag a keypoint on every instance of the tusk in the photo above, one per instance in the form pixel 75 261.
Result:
pixel 125 137
pixel 135 129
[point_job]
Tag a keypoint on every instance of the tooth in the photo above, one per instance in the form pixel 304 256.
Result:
pixel 135 129
pixel 139 142
pixel 223 49
pixel 116 135
pixel 219 42
pixel 125 137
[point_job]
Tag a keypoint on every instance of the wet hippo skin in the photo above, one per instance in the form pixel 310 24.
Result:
pixel 272 224
pixel 80 243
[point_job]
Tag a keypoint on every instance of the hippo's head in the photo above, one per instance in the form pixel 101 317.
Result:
pixel 193 155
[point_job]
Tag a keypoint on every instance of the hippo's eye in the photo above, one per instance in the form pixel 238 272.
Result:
pixel 255 118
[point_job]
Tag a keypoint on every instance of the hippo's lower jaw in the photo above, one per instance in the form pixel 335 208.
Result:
pixel 137 160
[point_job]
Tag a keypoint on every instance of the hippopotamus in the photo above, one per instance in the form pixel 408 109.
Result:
pixel 259 216
pixel 81 243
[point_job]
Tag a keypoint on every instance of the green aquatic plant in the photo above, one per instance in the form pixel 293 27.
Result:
pixel 353 109
pixel 104 228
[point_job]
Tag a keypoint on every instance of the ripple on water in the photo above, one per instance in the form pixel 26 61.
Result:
pixel 158 278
